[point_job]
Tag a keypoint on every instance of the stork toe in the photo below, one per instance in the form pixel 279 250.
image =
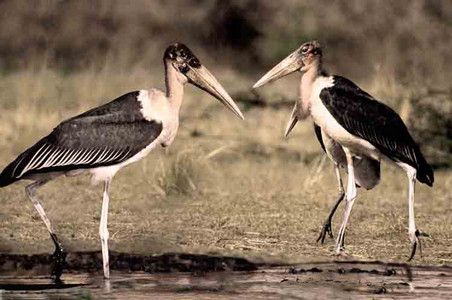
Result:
pixel 416 243
pixel 58 261
pixel 326 229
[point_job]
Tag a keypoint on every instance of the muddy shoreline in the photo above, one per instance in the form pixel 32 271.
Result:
pixel 181 275
pixel 91 262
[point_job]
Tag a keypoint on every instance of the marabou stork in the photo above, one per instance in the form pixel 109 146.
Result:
pixel 103 140
pixel 354 129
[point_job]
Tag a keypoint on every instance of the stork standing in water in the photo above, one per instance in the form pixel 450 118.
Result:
pixel 103 140
pixel 354 129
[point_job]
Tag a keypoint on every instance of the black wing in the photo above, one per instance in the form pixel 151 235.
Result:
pixel 363 116
pixel 318 134
pixel 103 136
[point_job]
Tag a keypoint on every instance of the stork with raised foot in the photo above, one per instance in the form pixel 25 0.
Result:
pixel 105 139
pixel 366 171
pixel 355 130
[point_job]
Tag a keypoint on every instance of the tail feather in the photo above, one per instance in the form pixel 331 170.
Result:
pixel 13 171
pixel 424 170
pixel 5 177
pixel 425 174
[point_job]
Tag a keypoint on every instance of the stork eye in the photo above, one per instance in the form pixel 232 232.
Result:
pixel 194 62
pixel 304 49
pixel 183 68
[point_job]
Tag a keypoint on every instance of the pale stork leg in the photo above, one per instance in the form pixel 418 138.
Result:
pixel 351 196
pixel 58 255
pixel 327 225
pixel 413 234
pixel 103 231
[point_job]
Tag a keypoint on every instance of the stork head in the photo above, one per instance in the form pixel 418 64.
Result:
pixel 302 59
pixel 190 69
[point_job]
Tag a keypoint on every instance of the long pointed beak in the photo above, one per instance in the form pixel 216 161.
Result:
pixel 287 66
pixel 293 121
pixel 202 78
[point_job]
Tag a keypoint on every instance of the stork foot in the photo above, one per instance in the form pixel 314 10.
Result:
pixel 326 229
pixel 417 243
pixel 58 260
pixel 338 249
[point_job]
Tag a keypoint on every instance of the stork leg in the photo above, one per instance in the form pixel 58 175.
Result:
pixel 103 231
pixel 58 255
pixel 413 234
pixel 327 225
pixel 351 196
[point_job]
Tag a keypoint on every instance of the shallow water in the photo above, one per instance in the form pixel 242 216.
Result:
pixel 186 276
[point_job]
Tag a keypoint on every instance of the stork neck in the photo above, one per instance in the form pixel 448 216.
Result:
pixel 174 87
pixel 306 86
pixel 307 80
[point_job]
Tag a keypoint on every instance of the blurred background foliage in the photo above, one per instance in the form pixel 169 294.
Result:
pixel 399 50
pixel 409 41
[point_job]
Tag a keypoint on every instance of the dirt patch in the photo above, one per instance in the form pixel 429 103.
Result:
pixel 179 275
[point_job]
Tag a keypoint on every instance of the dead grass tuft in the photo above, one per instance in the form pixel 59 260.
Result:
pixel 186 173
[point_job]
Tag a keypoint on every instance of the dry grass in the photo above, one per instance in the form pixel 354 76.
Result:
pixel 224 185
